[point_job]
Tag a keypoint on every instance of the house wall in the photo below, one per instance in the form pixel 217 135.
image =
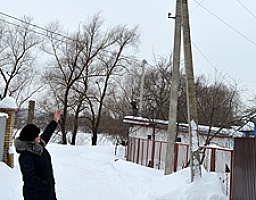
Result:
pixel 144 132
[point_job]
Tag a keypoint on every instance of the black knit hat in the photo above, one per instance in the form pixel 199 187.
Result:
pixel 29 132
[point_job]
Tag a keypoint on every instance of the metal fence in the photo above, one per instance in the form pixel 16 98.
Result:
pixel 152 153
pixel 244 169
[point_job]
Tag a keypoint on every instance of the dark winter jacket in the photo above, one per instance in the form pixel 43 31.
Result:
pixel 36 167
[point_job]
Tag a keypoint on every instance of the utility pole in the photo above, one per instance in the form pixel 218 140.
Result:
pixel 144 62
pixel 171 132
pixel 191 96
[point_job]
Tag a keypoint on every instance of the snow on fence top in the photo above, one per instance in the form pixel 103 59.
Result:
pixel 3 115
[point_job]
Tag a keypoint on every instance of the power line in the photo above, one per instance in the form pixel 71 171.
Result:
pixel 224 77
pixel 35 26
pixel 36 32
pixel 46 31
pixel 241 34
pixel 216 70
pixel 198 4
pixel 246 8
pixel 203 55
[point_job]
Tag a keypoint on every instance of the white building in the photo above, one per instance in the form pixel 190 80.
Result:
pixel 154 129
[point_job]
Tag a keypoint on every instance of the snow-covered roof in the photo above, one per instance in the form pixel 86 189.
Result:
pixel 163 123
pixel 143 121
pixel 8 102
pixel 249 126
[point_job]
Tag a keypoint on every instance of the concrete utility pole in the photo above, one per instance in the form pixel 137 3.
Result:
pixel 191 96
pixel 144 62
pixel 171 132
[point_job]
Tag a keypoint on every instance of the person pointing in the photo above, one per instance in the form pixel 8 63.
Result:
pixel 35 161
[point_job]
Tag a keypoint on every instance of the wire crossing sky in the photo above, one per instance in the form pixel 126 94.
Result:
pixel 223 33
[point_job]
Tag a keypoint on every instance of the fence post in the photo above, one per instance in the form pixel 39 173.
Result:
pixel 8 105
pixel 152 155
pixel 147 159
pixel 129 149
pixel 187 156
pixel 212 167
pixel 175 161
pixel 231 175
pixel 159 156
pixel 142 153
pixel 138 152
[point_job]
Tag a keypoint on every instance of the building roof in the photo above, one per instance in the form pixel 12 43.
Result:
pixel 140 121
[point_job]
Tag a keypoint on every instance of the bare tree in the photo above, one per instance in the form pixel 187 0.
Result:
pixel 125 100
pixel 83 67
pixel 67 68
pixel 157 90
pixel 18 56
pixel 218 102
pixel 218 105
pixel 109 64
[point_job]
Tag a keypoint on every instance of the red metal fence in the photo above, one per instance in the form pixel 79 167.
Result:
pixel 152 153
pixel 244 185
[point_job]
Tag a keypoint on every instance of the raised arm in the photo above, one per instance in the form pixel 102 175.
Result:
pixel 46 135
pixel 57 116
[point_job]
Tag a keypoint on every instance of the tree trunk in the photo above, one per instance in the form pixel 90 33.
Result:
pixel 75 128
pixel 73 142
pixel 94 138
pixel 63 125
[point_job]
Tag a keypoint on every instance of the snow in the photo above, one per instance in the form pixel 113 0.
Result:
pixel 249 126
pixel 93 172
pixel 11 150
pixel 194 139
pixel 8 102
pixel 3 115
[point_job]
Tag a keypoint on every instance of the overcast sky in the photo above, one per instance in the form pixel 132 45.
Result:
pixel 223 32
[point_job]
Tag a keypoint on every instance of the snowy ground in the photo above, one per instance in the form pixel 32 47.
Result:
pixel 95 173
